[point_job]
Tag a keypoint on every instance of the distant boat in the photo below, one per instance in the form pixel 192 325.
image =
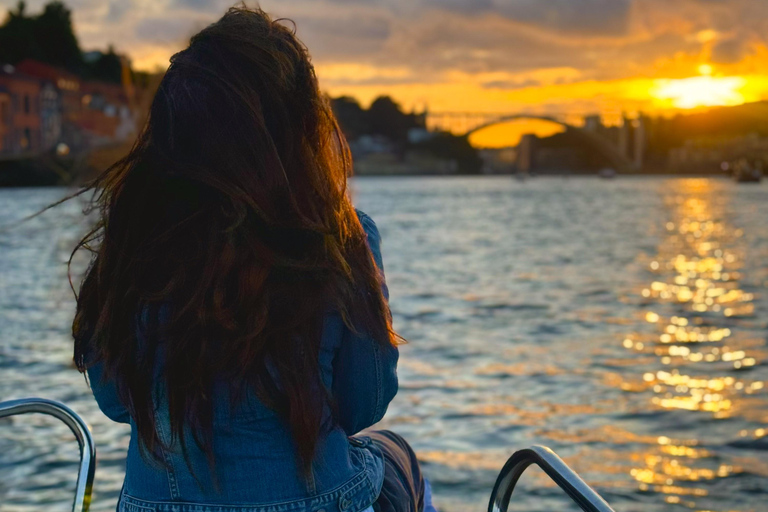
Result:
pixel 746 172
pixel 607 173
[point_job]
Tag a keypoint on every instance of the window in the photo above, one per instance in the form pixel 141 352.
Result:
pixel 26 104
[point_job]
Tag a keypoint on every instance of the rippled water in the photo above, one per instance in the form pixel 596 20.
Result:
pixel 622 323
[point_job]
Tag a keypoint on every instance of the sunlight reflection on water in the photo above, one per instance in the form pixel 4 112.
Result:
pixel 697 280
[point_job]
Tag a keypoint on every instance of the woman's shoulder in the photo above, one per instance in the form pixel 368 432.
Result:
pixel 369 226
pixel 374 240
pixel 372 233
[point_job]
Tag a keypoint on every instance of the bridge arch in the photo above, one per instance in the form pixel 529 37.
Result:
pixel 516 117
pixel 616 158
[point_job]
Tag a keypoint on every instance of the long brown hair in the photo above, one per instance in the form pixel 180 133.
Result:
pixel 225 237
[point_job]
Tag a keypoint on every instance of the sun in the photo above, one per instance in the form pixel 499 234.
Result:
pixel 700 91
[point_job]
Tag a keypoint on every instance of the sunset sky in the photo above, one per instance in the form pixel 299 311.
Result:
pixel 550 56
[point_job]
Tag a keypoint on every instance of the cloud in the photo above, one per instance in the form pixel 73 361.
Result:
pixel 163 30
pixel 209 6
pixel 462 6
pixel 343 36
pixel 577 16
pixel 503 44
pixel 605 17
pixel 117 10
pixel 729 51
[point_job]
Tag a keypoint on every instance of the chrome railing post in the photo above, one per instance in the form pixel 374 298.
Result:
pixel 78 427
pixel 555 468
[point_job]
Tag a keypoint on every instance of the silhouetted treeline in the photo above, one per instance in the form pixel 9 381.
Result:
pixel 453 147
pixel 49 37
pixel 718 123
pixel 385 118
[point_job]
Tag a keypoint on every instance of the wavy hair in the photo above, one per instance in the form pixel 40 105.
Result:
pixel 224 238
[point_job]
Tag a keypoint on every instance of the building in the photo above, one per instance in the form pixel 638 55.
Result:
pixel 67 84
pixel 499 160
pixel 593 123
pixel 5 121
pixel 50 116
pixel 708 154
pixel 68 106
pixel 90 113
pixel 42 106
pixel 19 113
pixel 106 114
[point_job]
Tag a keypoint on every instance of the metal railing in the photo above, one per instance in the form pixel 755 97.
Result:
pixel 546 459
pixel 78 427
pixel 555 468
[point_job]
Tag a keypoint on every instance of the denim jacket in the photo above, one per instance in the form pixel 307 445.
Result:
pixel 256 464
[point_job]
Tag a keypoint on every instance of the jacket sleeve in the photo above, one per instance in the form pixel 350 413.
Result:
pixel 365 370
pixel 105 392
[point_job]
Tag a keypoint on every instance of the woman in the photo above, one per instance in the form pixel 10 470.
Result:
pixel 235 313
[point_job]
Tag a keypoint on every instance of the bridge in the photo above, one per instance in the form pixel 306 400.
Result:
pixel 584 128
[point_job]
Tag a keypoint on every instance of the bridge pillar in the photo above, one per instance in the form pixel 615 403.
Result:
pixel 624 134
pixel 639 143
pixel 526 153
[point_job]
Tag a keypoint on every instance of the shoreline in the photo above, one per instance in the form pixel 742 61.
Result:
pixel 74 171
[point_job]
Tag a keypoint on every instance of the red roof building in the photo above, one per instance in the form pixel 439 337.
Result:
pixel 69 85
pixel 19 112
pixel 92 113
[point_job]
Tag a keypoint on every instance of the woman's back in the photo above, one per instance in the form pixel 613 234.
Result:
pixel 235 312
pixel 256 462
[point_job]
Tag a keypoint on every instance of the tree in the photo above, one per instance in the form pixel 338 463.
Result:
pixel 47 37
pixel 17 36
pixel 108 67
pixel 50 38
pixel 447 146
pixel 56 41
pixel 386 118
pixel 351 116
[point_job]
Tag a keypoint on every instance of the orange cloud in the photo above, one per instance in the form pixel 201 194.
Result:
pixel 556 56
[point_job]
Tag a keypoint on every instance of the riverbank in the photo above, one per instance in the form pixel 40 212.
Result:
pixel 33 173
pixel 48 172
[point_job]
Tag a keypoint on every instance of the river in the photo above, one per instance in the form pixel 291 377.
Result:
pixel 621 322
